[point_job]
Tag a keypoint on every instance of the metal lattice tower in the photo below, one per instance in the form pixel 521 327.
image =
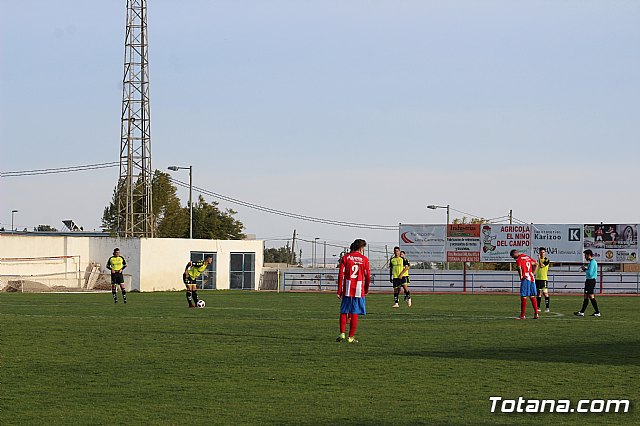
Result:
pixel 135 217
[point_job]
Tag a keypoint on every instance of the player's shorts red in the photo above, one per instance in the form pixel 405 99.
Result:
pixel 528 288
pixel 353 305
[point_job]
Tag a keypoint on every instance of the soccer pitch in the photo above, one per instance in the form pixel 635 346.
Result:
pixel 267 358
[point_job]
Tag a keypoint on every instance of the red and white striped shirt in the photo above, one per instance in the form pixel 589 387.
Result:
pixel 526 267
pixel 354 275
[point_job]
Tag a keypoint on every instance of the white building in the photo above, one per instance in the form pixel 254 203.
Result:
pixel 153 264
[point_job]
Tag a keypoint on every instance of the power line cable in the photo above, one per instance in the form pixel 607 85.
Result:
pixel 59 169
pixel 286 214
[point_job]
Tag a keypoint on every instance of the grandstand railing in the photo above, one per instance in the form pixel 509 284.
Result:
pixel 438 281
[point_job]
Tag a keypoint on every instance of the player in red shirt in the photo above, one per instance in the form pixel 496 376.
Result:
pixel 353 285
pixel 527 271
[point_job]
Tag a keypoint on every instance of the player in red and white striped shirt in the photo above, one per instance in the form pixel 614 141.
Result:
pixel 527 271
pixel 353 285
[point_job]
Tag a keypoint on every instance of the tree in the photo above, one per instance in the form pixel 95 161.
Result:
pixel 209 222
pixel 279 255
pixel 45 228
pixel 172 221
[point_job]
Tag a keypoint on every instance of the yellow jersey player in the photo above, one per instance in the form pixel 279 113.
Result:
pixel 542 278
pixel 116 265
pixel 191 272
pixel 399 277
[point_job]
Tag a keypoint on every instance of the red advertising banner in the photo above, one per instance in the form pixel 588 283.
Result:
pixel 463 242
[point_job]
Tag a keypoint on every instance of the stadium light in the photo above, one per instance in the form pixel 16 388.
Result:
pixel 448 207
pixel 434 207
pixel 190 168
pixel 13 212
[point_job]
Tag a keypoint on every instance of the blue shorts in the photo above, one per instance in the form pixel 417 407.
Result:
pixel 527 288
pixel 353 305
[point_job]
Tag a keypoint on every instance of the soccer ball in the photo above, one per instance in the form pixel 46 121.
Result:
pixel 201 303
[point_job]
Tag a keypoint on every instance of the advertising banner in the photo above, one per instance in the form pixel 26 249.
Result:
pixel 498 240
pixel 423 243
pixel 463 242
pixel 612 243
pixel 563 242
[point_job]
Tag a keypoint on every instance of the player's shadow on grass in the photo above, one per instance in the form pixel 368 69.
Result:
pixel 610 353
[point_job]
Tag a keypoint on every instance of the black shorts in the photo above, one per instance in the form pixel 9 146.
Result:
pixel 117 278
pixel 187 279
pixel 540 284
pixel 397 282
pixel 589 285
pixel 405 280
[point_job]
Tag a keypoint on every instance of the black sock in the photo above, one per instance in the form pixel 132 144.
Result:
pixel 124 294
pixel 114 293
pixel 407 294
pixel 395 295
pixel 546 301
pixel 585 303
pixel 594 304
pixel 539 299
pixel 189 299
pixel 195 297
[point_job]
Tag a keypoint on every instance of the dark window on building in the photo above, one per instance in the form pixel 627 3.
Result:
pixel 206 280
pixel 242 271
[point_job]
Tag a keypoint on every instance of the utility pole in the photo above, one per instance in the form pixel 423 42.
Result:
pixel 325 254
pixel 293 247
pixel 135 212
pixel 511 223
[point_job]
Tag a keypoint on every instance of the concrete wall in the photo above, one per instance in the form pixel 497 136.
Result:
pixel 155 264
pixel 101 249
pixel 164 259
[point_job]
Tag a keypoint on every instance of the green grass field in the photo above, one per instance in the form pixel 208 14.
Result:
pixel 266 358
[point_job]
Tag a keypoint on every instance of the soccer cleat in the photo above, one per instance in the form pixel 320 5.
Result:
pixel 115 301
pixel 340 338
pixel 409 302
pixel 520 318
pixel 536 317
pixel 395 305
pixel 125 301
pixel 539 310
pixel 579 314
pixel 547 310
pixel 595 314
pixel 352 340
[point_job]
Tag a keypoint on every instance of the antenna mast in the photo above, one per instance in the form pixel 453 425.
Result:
pixel 134 186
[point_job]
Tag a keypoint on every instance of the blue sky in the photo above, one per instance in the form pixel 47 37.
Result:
pixel 360 111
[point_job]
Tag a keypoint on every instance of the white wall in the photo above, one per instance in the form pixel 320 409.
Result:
pixel 155 264
pixel 163 260
pixel 101 249
pixel 59 272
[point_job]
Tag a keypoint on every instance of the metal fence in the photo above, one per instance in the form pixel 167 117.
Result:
pixel 437 281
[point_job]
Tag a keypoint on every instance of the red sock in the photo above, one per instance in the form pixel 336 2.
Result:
pixel 534 302
pixel 523 306
pixel 354 325
pixel 343 322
